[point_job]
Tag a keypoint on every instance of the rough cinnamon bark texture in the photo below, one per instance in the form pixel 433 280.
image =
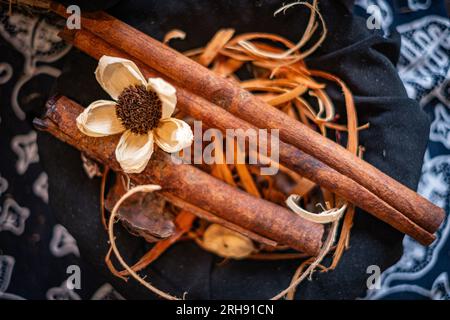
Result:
pixel 307 166
pixel 234 99
pixel 189 184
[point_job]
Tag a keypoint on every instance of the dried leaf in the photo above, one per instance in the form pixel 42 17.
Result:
pixel 144 214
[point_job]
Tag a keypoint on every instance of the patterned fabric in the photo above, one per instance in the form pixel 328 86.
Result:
pixel 35 251
pixel 424 67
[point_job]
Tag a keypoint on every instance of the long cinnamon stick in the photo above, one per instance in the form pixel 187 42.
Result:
pixel 189 184
pixel 307 166
pixel 240 102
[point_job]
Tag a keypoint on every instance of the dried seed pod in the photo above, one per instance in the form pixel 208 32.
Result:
pixel 227 243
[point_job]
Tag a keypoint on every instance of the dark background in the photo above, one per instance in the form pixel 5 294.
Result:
pixel 365 60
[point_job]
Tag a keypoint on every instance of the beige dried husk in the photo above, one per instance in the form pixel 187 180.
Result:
pixel 227 243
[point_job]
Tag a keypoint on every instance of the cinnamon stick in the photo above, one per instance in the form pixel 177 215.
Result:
pixel 298 161
pixel 240 102
pixel 189 184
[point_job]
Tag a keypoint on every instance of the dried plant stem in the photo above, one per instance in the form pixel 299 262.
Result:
pixel 352 119
pixel 323 252
pixel 344 237
pixel 298 272
pixel 142 188
pixel 102 197
pixel 290 55
pixel 333 216
pixel 183 222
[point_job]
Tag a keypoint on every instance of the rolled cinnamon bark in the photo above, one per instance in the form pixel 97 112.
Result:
pixel 240 102
pixel 189 184
pixel 298 161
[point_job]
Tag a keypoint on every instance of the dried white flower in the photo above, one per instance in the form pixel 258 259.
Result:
pixel 141 111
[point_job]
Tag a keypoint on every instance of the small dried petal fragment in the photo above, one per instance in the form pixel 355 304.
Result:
pixel 227 243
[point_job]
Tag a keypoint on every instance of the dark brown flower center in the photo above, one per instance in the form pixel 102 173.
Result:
pixel 139 109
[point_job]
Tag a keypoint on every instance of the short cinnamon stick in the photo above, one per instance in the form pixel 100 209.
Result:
pixel 189 184
pixel 240 102
pixel 307 166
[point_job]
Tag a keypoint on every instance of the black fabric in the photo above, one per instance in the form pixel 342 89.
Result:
pixel 394 143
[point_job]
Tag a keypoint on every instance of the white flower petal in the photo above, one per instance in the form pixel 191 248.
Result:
pixel 99 119
pixel 134 151
pixel 167 93
pixel 173 135
pixel 115 74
